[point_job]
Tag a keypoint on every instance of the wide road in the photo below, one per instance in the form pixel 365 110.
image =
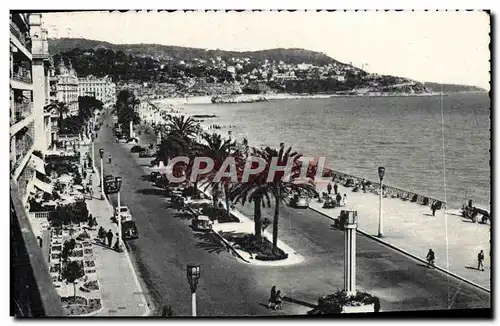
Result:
pixel 229 287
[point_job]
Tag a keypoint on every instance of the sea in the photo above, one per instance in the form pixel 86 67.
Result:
pixel 437 146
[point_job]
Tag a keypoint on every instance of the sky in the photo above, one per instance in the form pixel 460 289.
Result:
pixel 444 47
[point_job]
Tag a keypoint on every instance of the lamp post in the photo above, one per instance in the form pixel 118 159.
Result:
pixel 93 153
pixel 381 173
pixel 118 181
pixel 101 153
pixel 193 275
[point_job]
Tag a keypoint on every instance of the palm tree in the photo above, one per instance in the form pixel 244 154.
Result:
pixel 218 149
pixel 72 272
pixel 183 126
pixel 125 109
pixel 61 108
pixel 282 185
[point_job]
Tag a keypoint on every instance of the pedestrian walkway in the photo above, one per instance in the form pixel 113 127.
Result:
pixel 412 228
pixel 120 290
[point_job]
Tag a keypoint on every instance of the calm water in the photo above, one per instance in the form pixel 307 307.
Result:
pixel 357 135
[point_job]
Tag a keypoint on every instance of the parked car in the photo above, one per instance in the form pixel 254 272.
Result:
pixel 137 149
pixel 202 223
pixel 124 213
pixel 129 230
pixel 147 153
pixel 110 187
pixel 154 176
pixel 108 177
pixel 298 201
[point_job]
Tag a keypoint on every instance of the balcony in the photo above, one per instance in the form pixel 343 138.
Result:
pixel 22 75
pixel 24 41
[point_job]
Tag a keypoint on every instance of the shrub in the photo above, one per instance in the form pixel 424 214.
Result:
pixel 259 246
pixel 72 213
pixel 334 303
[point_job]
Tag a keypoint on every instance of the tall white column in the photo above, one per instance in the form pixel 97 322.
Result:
pixel 119 223
pixel 350 226
pixel 193 303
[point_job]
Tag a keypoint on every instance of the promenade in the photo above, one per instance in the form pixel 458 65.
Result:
pixel 120 290
pixel 411 227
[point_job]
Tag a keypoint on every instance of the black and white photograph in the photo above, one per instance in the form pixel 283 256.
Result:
pixel 239 163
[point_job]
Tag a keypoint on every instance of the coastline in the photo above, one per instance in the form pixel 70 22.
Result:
pixel 288 96
pixel 328 171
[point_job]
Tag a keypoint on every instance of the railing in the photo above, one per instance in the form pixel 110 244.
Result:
pixel 23 109
pixel 389 190
pixel 22 75
pixel 22 147
pixel 20 36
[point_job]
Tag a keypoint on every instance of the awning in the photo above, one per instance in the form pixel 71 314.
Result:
pixel 38 163
pixel 42 185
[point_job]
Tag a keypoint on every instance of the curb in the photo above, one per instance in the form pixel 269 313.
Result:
pixel 230 247
pixel 134 274
pixel 410 254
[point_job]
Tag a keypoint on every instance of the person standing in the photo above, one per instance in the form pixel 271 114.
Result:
pixel 272 298
pixel 335 188
pixel 329 188
pixel 40 241
pixel 279 300
pixel 109 235
pixel 480 260
pixel 338 199
pixel 345 200
pixel 116 246
pixel 430 258
pixel 433 208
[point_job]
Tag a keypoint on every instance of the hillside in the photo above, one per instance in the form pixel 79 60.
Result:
pixel 177 53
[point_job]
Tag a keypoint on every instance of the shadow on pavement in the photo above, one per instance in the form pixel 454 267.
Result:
pixel 210 243
pixel 151 192
pixel 300 302
pixel 145 177
pixel 471 267
pixel 183 215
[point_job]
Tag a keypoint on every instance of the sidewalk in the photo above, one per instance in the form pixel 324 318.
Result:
pixel 120 290
pixel 412 228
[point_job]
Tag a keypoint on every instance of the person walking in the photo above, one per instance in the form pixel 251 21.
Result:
pixel 279 300
pixel 272 298
pixel 433 209
pixel 430 258
pixel 116 246
pixel 345 200
pixel 109 235
pixel 40 241
pixel 480 260
pixel 335 188
pixel 329 188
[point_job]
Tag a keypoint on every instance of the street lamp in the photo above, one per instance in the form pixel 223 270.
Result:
pixel 381 173
pixel 118 186
pixel 193 275
pixel 101 153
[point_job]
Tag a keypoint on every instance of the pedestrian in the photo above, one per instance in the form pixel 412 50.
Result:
pixel 109 235
pixel 116 246
pixel 338 199
pixel 272 298
pixel 345 200
pixel 329 188
pixel 480 259
pixel 101 234
pixel 433 209
pixel 279 300
pixel 109 158
pixel 336 188
pixel 40 241
pixel 430 258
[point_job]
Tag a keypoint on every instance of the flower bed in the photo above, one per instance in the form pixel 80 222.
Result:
pixel 77 253
pixel 88 251
pixel 80 306
pixel 341 302
pixel 56 268
pixel 262 248
pixel 91 285
pixel 89 263
pixel 219 214
pixel 56 248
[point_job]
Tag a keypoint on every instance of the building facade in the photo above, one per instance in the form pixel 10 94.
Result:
pixel 103 89
pixel 29 123
pixel 67 87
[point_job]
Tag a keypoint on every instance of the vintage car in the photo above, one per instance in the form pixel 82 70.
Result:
pixel 110 187
pixel 147 153
pixel 298 201
pixel 162 182
pixel 124 213
pixel 129 230
pixel 202 223
pixel 108 177
pixel 476 214
pixel 154 176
